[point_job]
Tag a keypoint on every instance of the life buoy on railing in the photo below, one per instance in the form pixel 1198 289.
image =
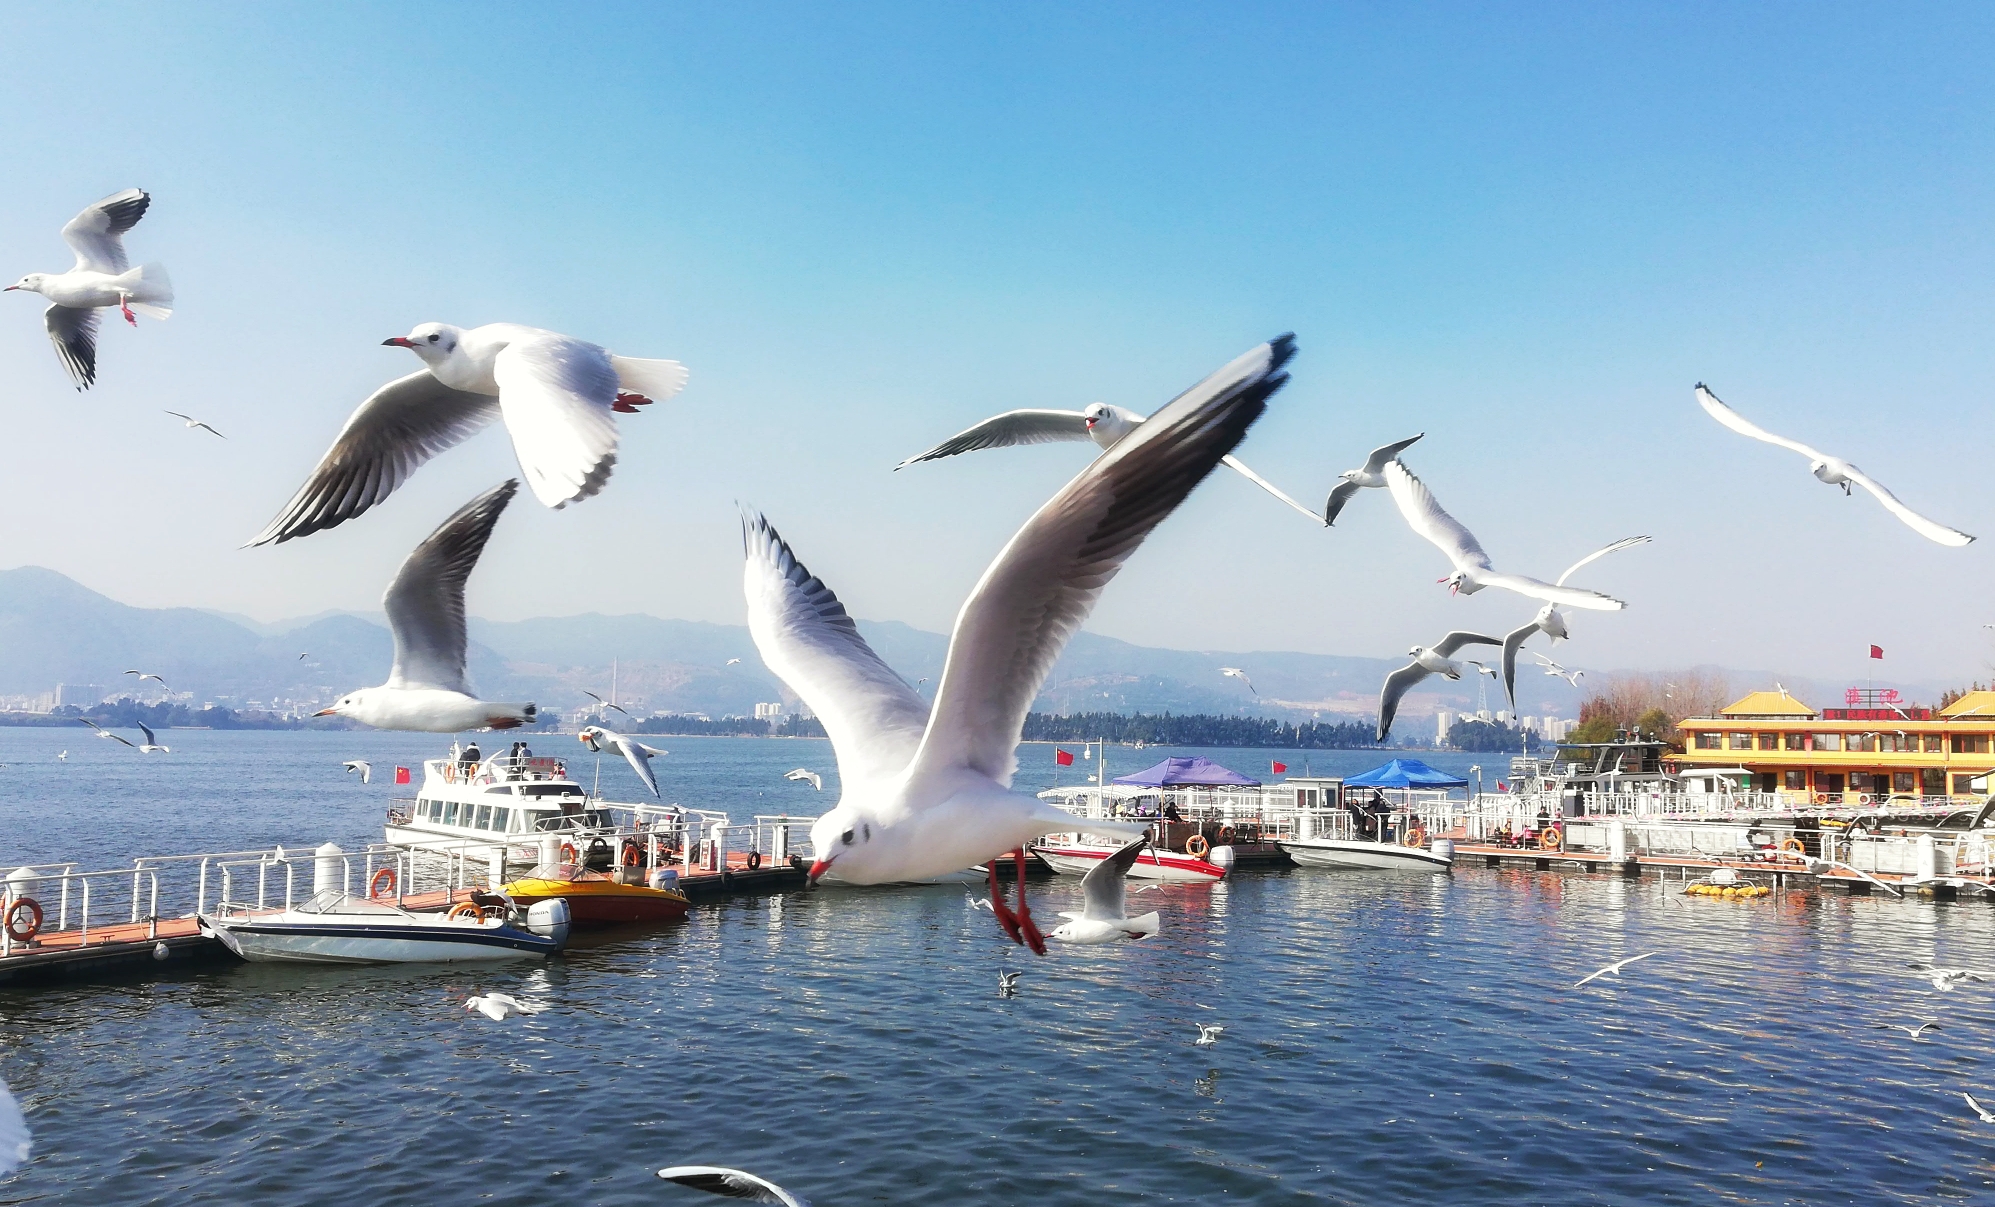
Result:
pixel 754 860
pixel 464 909
pixel 17 930
pixel 1415 836
pixel 1865 798
pixel 1794 845
pixel 1551 838
pixel 1225 834
pixel 374 888
pixel 1196 846
pixel 567 852
pixel 633 855
pixel 1821 798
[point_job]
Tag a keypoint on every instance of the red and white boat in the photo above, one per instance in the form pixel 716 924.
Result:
pixel 1173 867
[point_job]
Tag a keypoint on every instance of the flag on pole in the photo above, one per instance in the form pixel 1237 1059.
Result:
pixel 1877 651
pixel 1064 758
pixel 1279 768
pixel 401 775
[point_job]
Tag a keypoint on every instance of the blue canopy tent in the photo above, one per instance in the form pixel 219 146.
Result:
pixel 1195 772
pixel 1404 773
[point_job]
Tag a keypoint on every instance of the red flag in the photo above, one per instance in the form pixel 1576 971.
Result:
pixel 401 775
pixel 1280 768
pixel 1063 757
pixel 1877 651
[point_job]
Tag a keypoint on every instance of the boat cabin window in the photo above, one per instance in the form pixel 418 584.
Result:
pixel 597 817
pixel 502 789
pixel 547 821
pixel 549 790
pixel 484 821
pixel 450 813
pixel 501 818
pixel 337 901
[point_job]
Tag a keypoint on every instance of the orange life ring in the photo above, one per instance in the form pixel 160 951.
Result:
pixel 754 860
pixel 1865 798
pixel 1821 798
pixel 374 888
pixel 1196 846
pixel 464 909
pixel 1415 836
pixel 33 908
pixel 567 852
pixel 1551 838
pixel 633 855
pixel 1225 834
pixel 1792 844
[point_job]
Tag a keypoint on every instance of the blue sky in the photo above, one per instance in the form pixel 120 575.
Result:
pixel 1526 230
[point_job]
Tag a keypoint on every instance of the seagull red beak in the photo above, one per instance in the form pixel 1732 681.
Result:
pixel 816 870
pixel 325 712
pixel 397 342
pixel 9 289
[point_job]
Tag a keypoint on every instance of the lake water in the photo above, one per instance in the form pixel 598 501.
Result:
pixel 1390 1038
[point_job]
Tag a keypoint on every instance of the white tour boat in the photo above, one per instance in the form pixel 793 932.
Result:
pixel 336 927
pixel 503 800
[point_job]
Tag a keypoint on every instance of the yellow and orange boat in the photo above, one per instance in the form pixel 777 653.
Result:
pixel 595 898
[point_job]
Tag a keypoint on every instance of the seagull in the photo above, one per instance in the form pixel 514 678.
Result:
pixel 1931 1024
pixel 1972 1104
pixel 1234 672
pixel 152 745
pixel 556 394
pixel 1101 919
pixel 731 1183
pixel 977 902
pixel 500 1006
pixel 62 756
pixel 14 1137
pixel 806 776
pixel 365 768
pixel 1371 473
pixel 636 753
pixel 1557 671
pixel 105 733
pixel 99 279
pixel 1472 569
pixel 730 662
pixel 144 675
pixel 927 788
pixel 1429 660
pixel 1833 470
pixel 193 422
pixel 1208 1034
pixel 1007 981
pixel 1614 970
pixel 1549 620
pixel 1100 422
pixel 602 703
pixel 426 689
pixel 305 655
pixel 1945 979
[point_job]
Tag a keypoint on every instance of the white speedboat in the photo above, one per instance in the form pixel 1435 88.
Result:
pixel 1171 867
pixel 335 927
pixel 1358 853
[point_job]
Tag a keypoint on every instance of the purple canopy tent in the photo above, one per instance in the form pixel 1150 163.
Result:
pixel 1195 772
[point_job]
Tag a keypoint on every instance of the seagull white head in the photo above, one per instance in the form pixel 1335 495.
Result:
pixel 434 342
pixel 842 836
pixel 591 736
pixel 347 705
pixel 1459 583
pixel 31 283
pixel 1106 423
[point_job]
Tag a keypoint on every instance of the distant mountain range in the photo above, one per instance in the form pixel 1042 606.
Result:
pixel 54 630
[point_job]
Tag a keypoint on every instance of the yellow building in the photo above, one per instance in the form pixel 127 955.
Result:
pixel 1848 756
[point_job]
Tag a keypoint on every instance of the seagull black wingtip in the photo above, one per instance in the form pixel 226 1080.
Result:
pixel 1281 349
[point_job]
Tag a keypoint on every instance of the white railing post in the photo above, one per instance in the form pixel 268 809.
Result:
pixel 152 930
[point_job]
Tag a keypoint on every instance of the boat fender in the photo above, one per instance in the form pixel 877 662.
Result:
pixel 633 855
pixel 1415 836
pixel 568 852
pixel 754 860
pixel 1551 839
pixel 1792 844
pixel 464 909
pixel 1196 846
pixel 21 931
pixel 374 886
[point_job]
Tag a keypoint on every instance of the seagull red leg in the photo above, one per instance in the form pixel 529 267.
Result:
pixel 1033 938
pixel 998 907
pixel 125 308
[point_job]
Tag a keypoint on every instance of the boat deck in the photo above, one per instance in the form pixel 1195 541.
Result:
pixel 1783 872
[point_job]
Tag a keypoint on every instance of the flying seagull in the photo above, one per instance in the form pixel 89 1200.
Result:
pixel 98 280
pixel 731 1183
pixel 152 745
pixel 193 422
pixel 500 1006
pixel 1102 919
pixel 730 662
pixel 427 690
pixel 1944 979
pixel 1371 473
pixel 365 768
pixel 1972 1105
pixel 1614 969
pixel 1208 1034
pixel 1557 671
pixel 1931 1024
pixel 1549 620
pixel 1473 571
pixel 806 776
pixel 15 1139
pixel 602 703
pixel 144 675
pixel 1100 422
pixel 634 752
pixel 927 788
pixel 556 394
pixel 1437 659
pixel 1234 672
pixel 1007 981
pixel 1833 470
pixel 105 733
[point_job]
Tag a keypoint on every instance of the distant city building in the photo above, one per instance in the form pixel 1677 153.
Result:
pixel 1555 730
pixel 1502 717
pixel 1441 725
pixel 82 695
pixel 769 712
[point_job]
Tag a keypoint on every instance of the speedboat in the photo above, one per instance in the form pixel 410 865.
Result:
pixel 597 899
pixel 1362 853
pixel 336 927
pixel 1075 858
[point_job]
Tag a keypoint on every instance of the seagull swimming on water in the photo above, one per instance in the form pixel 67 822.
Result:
pixel 1100 422
pixel 1473 571
pixel 1208 1034
pixel 927 788
pixel 193 422
pixel 1102 918
pixel 634 752
pixel 427 690
pixel 1007 981
pixel 98 281
pixel 365 768
pixel 1614 969
pixel 557 395
pixel 500 1006
pixel 1437 659
pixel 732 1184
pixel 1549 620
pixel 1371 473
pixel 1833 470
pixel 806 776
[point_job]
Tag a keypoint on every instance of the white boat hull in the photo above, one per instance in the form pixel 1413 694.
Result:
pixel 266 940
pixel 1167 866
pixel 1354 853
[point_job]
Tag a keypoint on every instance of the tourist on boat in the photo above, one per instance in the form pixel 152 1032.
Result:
pixel 468 761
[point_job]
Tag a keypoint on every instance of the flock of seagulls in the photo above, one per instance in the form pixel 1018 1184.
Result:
pixel 151 745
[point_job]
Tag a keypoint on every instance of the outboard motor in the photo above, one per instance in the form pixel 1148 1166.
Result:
pixel 1221 857
pixel 549 919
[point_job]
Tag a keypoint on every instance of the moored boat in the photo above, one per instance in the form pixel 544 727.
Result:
pixel 336 927
pixel 1075 858
pixel 1360 853
pixel 596 899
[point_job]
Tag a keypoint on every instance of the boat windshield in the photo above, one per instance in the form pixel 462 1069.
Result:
pixel 573 872
pixel 335 901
